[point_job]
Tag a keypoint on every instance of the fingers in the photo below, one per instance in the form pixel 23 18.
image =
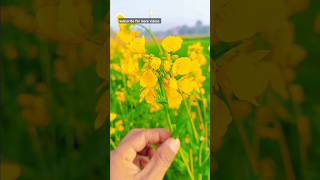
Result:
pixel 141 161
pixel 161 160
pixel 147 151
pixel 137 140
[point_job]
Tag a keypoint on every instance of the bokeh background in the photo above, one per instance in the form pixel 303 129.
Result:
pixel 266 68
pixel 49 89
pixel 50 84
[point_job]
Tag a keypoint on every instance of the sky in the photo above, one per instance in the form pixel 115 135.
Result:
pixel 172 12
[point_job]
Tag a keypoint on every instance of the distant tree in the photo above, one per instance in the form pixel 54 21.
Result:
pixel 184 30
pixel 198 24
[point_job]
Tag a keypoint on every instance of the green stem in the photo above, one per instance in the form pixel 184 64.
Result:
pixel 206 159
pixel 192 124
pixel 200 154
pixel 205 127
pixel 38 150
pixel 112 144
pixel 191 161
pixel 204 110
pixel 169 119
pixel 166 106
pixel 124 82
pixel 184 159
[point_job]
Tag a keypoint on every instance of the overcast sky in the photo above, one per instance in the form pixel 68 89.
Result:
pixel 172 12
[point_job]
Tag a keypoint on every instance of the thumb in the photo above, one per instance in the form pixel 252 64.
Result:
pixel 161 161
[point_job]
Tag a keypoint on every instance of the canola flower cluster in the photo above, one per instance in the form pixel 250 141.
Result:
pixel 54 40
pixel 178 77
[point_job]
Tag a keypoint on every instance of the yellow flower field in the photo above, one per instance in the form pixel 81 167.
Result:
pixel 163 83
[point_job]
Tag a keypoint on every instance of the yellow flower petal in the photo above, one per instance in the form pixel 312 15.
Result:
pixel 174 98
pixel 120 96
pixel 119 123
pixel 155 107
pixel 9 171
pixel 120 128
pixel 186 85
pixel 138 45
pixel 143 94
pixel 122 27
pixel 148 79
pixel 167 65
pixel 155 63
pixel 173 83
pixel 182 66
pixel 172 43
pixel 125 37
pixel 113 116
pixel 112 130
pixel 149 95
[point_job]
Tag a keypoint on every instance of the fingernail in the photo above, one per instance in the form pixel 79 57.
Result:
pixel 174 145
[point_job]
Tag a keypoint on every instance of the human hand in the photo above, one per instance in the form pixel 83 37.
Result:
pixel 134 158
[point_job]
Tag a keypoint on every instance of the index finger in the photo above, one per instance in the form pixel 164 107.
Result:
pixel 136 141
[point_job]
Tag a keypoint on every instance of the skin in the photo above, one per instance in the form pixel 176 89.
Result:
pixel 136 159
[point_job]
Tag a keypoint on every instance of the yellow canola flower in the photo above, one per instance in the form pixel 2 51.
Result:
pixel 186 85
pixel 200 58
pixel 174 98
pixel 155 107
pixel 122 27
pixel 167 65
pixel 10 52
pixel 193 115
pixel 120 126
pixel 9 171
pixel 202 127
pixel 170 83
pixel 317 23
pixel 149 95
pixel 195 53
pixel 205 103
pixel 148 79
pixel 112 130
pixel 34 109
pixel 187 140
pixel 172 43
pixel 202 138
pixel 195 67
pixel 195 48
pixel 126 36
pixel 155 63
pixel 120 96
pixel 113 48
pixel 113 116
pixel 138 45
pixel 115 67
pixel 182 66
pixel 130 66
